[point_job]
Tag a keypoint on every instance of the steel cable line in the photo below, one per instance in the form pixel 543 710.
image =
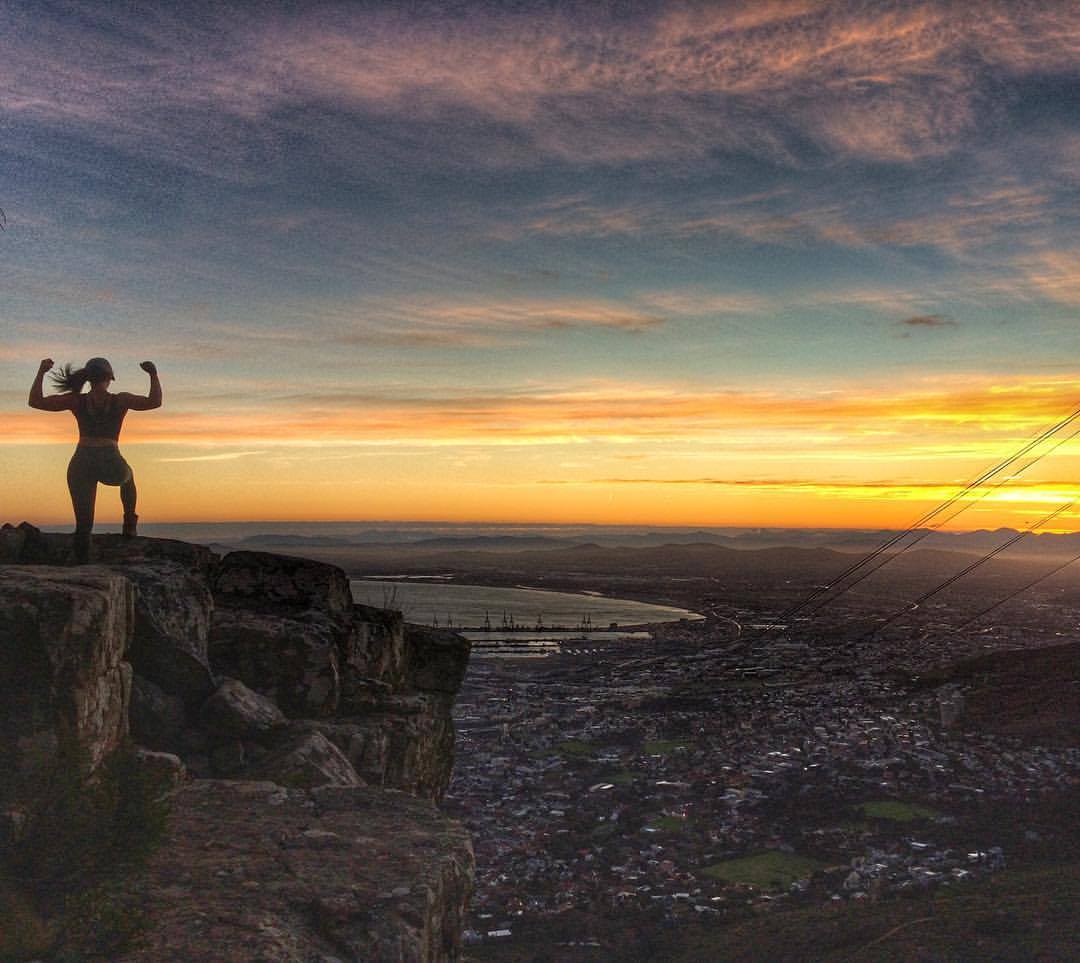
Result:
pixel 915 541
pixel 945 505
pixel 1019 591
pixel 926 596
pixel 923 534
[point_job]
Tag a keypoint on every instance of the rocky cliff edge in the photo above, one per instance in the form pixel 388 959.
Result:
pixel 309 739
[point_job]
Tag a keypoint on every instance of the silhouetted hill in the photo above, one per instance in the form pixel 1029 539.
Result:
pixel 292 541
pixel 491 542
pixel 765 566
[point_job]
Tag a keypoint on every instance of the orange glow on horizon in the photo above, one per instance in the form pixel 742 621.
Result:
pixel 606 454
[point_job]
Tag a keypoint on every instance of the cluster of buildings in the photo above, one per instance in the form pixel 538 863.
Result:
pixel 614 796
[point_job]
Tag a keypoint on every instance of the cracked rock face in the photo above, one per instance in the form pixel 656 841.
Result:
pixel 292 660
pixel 172 624
pixel 62 639
pixel 377 646
pixel 406 742
pixel 253 871
pixel 266 581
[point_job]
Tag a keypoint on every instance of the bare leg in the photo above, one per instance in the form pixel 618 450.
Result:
pixel 83 489
pixel 128 497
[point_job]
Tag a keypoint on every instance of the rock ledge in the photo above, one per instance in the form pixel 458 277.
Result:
pixel 253 871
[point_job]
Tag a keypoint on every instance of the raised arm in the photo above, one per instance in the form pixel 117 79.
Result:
pixel 37 397
pixel 147 402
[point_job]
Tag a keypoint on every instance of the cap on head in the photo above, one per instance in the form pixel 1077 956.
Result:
pixel 98 369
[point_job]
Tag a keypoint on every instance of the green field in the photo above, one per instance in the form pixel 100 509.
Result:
pixel 662 747
pixel 1021 916
pixel 669 824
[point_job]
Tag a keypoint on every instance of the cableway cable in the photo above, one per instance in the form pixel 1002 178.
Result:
pixel 923 520
pixel 1019 591
pixel 919 536
pixel 926 596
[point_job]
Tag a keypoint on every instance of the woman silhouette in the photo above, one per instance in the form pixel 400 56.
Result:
pixel 97 458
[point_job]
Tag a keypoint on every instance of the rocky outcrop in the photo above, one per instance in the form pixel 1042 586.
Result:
pixel 332 873
pixel 331 720
pixel 406 742
pixel 63 634
pixel 287 632
pixel 382 690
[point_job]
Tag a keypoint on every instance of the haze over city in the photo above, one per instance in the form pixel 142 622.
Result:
pixel 787 264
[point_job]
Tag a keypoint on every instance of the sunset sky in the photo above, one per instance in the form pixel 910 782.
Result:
pixel 792 263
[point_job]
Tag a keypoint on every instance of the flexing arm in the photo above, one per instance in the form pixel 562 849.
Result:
pixel 147 402
pixel 37 397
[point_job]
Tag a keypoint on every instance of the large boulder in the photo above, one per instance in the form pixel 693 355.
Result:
pixel 292 661
pixel 306 760
pixel 161 769
pixel 236 712
pixel 252 871
pixel 172 626
pixel 436 658
pixel 63 633
pixel 276 583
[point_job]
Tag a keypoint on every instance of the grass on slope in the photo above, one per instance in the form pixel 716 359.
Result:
pixel 1021 915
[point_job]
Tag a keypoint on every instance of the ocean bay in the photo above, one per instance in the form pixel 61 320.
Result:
pixel 534 617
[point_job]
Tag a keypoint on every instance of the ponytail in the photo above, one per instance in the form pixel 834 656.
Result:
pixel 68 378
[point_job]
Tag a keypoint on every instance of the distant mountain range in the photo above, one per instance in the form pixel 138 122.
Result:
pixel 843 540
pixel 430 538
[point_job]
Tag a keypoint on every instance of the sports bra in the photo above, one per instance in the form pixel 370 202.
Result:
pixel 103 422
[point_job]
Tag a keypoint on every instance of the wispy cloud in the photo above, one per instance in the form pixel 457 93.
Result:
pixel 472 321
pixel 1048 492
pixel 893 82
pixel 221 456
pixel 964 416
pixel 1053 274
pixel 971 223
pixel 928 321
